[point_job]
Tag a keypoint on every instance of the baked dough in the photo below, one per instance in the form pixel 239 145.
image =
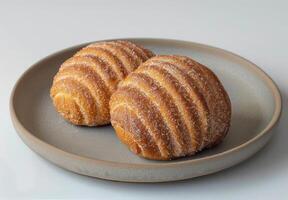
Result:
pixel 170 107
pixel 82 87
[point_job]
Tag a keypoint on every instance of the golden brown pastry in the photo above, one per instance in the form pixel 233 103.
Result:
pixel 82 88
pixel 170 107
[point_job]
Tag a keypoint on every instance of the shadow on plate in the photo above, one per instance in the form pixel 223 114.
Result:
pixel 258 168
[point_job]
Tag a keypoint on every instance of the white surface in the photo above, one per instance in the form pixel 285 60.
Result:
pixel 30 30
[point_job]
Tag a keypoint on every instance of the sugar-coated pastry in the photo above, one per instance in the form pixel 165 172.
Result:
pixel 170 107
pixel 82 87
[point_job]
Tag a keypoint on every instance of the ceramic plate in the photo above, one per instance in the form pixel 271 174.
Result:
pixel 96 152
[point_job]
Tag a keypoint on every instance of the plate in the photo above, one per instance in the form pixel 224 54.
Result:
pixel 96 152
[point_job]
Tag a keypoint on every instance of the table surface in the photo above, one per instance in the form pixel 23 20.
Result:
pixel 30 30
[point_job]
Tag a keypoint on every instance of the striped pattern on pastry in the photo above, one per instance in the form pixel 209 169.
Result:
pixel 82 87
pixel 170 107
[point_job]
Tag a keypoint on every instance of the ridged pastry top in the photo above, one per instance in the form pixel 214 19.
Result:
pixel 170 107
pixel 82 88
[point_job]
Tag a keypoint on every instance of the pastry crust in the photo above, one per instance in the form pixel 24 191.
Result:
pixel 82 87
pixel 170 107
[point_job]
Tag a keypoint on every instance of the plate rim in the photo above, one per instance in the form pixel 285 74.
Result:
pixel 22 131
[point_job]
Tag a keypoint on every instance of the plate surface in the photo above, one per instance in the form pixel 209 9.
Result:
pixel 256 106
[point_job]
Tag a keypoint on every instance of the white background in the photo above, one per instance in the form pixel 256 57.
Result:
pixel 30 30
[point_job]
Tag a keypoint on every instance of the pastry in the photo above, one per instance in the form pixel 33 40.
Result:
pixel 82 87
pixel 170 107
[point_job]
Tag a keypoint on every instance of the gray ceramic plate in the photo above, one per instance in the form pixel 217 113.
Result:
pixel 96 152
